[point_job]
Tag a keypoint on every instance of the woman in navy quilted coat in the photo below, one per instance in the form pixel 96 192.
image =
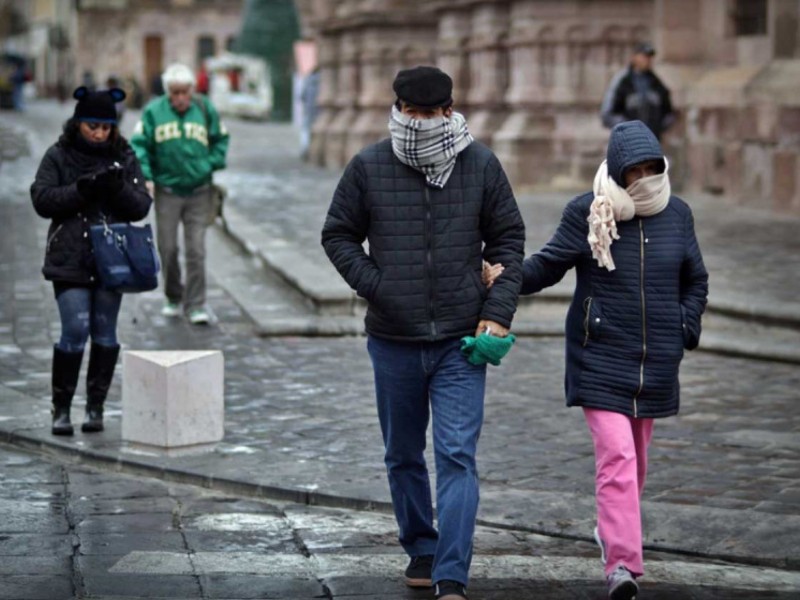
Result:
pixel 641 290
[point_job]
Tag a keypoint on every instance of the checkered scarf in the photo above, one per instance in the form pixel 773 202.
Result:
pixel 429 145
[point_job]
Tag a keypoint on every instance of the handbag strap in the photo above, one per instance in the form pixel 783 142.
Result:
pixel 122 244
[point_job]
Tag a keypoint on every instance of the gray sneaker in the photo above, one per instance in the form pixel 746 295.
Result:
pixel 622 585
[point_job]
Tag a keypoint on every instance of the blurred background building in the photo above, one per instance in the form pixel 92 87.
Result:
pixel 529 74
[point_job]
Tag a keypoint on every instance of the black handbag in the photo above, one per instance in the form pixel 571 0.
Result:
pixel 125 256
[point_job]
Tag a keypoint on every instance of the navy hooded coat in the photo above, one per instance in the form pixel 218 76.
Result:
pixel 626 329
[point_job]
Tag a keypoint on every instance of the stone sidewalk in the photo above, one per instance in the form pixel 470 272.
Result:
pixel 301 423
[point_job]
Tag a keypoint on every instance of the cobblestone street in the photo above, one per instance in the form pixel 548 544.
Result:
pixel 301 426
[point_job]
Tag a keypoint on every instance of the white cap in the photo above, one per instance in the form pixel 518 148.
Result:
pixel 178 74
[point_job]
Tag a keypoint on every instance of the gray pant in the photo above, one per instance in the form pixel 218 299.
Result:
pixel 193 212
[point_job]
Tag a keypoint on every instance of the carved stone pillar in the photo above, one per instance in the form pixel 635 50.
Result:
pixel 562 55
pixel 348 85
pixel 488 68
pixel 524 141
pixel 376 65
pixel 387 46
pixel 451 48
pixel 328 91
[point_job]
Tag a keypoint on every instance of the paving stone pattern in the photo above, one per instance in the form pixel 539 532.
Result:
pixel 725 475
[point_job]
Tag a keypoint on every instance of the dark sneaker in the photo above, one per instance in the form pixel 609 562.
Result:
pixel 418 572
pixel 450 590
pixel 622 585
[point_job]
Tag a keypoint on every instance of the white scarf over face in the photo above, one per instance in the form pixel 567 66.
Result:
pixel 429 145
pixel 645 197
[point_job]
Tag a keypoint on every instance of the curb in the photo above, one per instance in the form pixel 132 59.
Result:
pixel 141 467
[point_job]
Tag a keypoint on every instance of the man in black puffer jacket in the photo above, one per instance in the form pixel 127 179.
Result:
pixel 432 204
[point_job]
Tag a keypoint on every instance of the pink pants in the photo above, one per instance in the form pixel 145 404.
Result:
pixel 620 450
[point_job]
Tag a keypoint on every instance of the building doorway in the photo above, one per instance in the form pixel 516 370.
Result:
pixel 154 63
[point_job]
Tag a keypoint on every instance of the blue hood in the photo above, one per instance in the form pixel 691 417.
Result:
pixel 631 143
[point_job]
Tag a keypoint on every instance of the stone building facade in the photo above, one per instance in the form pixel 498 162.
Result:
pixel 137 39
pixel 531 74
pixel 131 39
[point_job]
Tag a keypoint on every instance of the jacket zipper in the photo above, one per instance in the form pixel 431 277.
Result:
pixel 52 237
pixel 429 257
pixel 644 319
pixel 587 308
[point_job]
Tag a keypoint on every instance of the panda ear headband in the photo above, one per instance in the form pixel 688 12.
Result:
pixel 97 107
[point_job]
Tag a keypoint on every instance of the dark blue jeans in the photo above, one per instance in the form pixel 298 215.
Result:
pixel 86 312
pixel 411 381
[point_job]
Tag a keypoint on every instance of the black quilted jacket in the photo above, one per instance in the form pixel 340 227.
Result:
pixel 627 329
pixel 422 274
pixel 68 255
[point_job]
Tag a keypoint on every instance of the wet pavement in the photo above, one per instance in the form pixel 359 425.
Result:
pixel 301 425
pixel 74 532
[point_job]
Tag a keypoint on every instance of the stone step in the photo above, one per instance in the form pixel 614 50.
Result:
pixel 731 326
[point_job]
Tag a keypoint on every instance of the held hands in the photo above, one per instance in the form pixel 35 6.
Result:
pixel 490 273
pixel 488 276
pixel 102 184
pixel 491 328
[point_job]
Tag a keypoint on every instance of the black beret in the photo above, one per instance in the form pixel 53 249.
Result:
pixel 97 106
pixel 644 48
pixel 424 87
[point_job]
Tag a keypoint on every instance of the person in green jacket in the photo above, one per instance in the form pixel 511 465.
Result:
pixel 180 142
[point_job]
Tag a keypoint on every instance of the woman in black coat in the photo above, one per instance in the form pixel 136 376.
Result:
pixel 641 290
pixel 91 174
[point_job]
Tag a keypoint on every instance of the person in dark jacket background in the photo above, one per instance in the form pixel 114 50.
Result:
pixel 636 93
pixel 432 203
pixel 640 293
pixel 90 174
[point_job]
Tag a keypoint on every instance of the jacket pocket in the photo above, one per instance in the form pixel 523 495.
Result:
pixel 52 237
pixel 691 332
pixel 592 320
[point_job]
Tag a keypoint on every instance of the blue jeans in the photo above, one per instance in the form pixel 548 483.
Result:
pixel 85 312
pixel 411 380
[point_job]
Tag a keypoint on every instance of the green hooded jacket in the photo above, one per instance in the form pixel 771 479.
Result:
pixel 180 151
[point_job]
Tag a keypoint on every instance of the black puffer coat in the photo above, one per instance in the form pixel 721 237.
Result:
pixel 422 276
pixel 68 255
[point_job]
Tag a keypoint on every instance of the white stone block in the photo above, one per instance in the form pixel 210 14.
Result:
pixel 173 398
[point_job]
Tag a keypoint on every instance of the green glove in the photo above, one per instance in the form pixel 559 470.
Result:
pixel 486 348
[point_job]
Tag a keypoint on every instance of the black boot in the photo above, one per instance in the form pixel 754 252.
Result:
pixel 66 368
pixel 102 361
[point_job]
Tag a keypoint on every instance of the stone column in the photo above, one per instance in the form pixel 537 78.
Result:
pixel 524 141
pixel 328 46
pixel 451 49
pixel 348 85
pixel 488 68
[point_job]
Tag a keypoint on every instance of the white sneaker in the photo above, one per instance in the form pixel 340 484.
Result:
pixel 199 316
pixel 171 309
pixel 622 585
